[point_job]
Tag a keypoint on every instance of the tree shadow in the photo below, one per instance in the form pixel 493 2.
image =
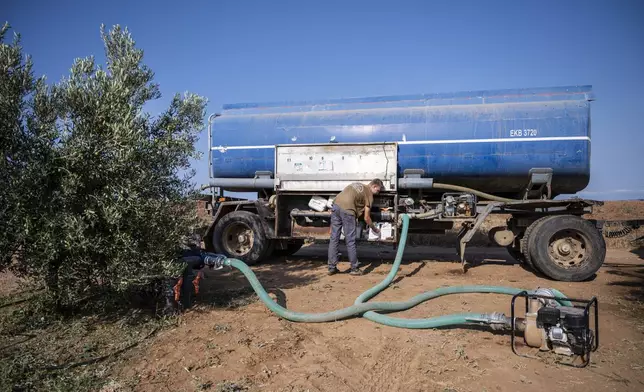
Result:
pixel 229 288
pixel 371 265
pixel 633 274
pixel 410 274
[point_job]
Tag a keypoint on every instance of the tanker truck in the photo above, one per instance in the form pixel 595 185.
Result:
pixel 448 161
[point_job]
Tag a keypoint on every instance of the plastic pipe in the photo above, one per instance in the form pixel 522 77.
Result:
pixel 434 322
pixel 351 311
pixel 458 188
pixel 369 310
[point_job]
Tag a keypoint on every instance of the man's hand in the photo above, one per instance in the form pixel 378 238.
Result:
pixel 367 218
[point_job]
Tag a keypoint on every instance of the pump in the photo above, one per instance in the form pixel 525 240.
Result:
pixel 550 326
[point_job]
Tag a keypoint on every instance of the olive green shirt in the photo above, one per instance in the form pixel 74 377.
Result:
pixel 354 198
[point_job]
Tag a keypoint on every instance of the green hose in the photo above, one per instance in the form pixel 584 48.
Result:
pixel 370 310
pixel 434 322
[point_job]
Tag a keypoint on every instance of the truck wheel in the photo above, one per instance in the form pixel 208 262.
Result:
pixel 291 248
pixel 240 235
pixel 567 248
pixel 526 243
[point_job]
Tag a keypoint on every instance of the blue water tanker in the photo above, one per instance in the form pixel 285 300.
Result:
pixel 488 140
pixel 444 159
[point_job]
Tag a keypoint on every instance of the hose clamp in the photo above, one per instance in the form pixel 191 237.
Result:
pixel 213 260
pixel 546 292
pixel 498 321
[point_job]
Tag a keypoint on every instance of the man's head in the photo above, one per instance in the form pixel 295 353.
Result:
pixel 376 186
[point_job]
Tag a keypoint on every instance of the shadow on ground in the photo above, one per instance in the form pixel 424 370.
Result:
pixel 230 289
pixel 632 274
pixel 372 252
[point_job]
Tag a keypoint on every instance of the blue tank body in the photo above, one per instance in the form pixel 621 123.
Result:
pixel 488 140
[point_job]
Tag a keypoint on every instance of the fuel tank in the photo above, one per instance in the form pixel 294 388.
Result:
pixel 488 140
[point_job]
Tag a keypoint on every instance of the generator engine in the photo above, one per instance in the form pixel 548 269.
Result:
pixel 564 330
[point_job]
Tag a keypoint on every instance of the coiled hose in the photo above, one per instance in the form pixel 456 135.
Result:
pixel 371 310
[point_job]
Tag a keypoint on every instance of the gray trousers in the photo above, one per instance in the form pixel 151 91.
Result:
pixel 341 219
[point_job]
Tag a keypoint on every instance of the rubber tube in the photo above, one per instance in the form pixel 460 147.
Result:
pixel 454 319
pixel 433 322
pixel 458 188
pixel 356 309
pixel 368 310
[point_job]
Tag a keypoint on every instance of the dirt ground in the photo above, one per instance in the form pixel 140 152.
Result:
pixel 618 210
pixel 231 342
pixel 244 346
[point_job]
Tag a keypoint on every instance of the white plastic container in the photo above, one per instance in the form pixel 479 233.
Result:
pixel 318 203
pixel 386 231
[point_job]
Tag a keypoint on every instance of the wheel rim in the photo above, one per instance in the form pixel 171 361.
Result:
pixel 569 249
pixel 238 239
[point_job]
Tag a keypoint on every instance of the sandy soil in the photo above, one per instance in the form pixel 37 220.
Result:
pixel 245 347
pixel 231 342
pixel 619 210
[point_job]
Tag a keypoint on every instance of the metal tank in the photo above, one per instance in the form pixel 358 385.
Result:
pixel 487 140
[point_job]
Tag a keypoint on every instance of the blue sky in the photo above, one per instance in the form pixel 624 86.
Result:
pixel 241 51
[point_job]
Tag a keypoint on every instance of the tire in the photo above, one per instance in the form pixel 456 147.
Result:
pixel 240 235
pixel 291 248
pixel 567 248
pixel 526 243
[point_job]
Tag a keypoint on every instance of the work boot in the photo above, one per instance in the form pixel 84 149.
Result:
pixel 356 272
pixel 333 271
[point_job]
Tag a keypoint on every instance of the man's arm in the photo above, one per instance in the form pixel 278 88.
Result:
pixel 367 218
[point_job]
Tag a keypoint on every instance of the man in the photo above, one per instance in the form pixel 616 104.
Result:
pixel 355 200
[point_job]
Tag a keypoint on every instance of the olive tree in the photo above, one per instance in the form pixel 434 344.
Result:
pixel 115 207
pixel 27 138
